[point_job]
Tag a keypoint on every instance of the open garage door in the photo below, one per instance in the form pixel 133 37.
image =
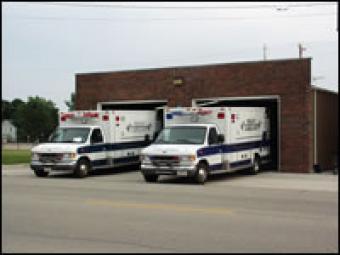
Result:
pixel 137 105
pixel 272 104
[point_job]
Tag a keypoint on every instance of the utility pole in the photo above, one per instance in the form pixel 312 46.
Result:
pixel 301 49
pixel 264 52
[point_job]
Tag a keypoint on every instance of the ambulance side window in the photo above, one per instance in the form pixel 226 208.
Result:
pixel 212 137
pixel 96 136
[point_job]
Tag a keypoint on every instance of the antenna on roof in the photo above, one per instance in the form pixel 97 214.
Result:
pixel 301 49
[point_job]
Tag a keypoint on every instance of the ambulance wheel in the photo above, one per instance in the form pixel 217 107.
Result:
pixel 201 173
pixel 150 177
pixel 82 169
pixel 256 165
pixel 40 173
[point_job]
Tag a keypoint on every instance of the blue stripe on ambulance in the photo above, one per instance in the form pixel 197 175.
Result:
pixel 111 147
pixel 116 161
pixel 229 148
pixel 240 163
pixel 233 164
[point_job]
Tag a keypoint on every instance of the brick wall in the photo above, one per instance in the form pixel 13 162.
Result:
pixel 289 78
pixel 327 129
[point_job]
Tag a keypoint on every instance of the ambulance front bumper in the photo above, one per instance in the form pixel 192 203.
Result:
pixel 67 166
pixel 168 170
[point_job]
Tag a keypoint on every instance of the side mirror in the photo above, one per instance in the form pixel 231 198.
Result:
pixel 155 136
pixel 220 138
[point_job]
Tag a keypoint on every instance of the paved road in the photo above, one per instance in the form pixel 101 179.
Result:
pixel 116 211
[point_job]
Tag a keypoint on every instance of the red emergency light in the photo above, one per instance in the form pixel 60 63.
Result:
pixel 204 112
pixel 220 115
pixel 233 117
pixel 90 114
pixel 117 118
pixel 105 117
pixel 66 116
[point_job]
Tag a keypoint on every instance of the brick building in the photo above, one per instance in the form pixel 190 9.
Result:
pixel 303 118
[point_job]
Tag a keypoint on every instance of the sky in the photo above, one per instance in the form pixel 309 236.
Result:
pixel 44 44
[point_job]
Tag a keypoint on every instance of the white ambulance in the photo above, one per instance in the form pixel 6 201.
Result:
pixel 198 141
pixel 89 140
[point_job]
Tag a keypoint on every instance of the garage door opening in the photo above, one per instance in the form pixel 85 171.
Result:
pixel 272 104
pixel 137 105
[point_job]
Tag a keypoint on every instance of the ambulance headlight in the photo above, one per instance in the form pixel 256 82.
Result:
pixel 69 156
pixel 145 159
pixel 188 158
pixel 35 156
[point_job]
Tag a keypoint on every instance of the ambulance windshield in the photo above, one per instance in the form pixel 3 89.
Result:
pixel 181 135
pixel 70 135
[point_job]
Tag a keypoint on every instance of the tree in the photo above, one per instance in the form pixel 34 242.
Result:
pixel 9 108
pixel 16 103
pixel 6 110
pixel 72 102
pixel 37 118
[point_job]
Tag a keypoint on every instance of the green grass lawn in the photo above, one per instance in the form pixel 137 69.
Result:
pixel 10 157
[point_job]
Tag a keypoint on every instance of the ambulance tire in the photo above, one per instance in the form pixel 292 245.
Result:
pixel 256 165
pixel 83 168
pixel 40 173
pixel 150 177
pixel 202 173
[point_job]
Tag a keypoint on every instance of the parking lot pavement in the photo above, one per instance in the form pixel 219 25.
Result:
pixel 286 181
pixel 10 170
pixel 116 211
pixel 267 179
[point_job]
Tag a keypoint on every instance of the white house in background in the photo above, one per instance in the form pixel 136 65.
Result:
pixel 9 132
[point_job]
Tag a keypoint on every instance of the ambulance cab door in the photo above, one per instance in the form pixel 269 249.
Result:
pixel 98 157
pixel 215 159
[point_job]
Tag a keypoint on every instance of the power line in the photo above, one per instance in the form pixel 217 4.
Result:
pixel 175 19
pixel 125 6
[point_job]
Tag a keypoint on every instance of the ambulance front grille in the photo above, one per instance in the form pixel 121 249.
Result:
pixel 164 160
pixel 49 157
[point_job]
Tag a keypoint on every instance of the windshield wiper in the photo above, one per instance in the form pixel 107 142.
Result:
pixel 186 141
pixel 161 142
